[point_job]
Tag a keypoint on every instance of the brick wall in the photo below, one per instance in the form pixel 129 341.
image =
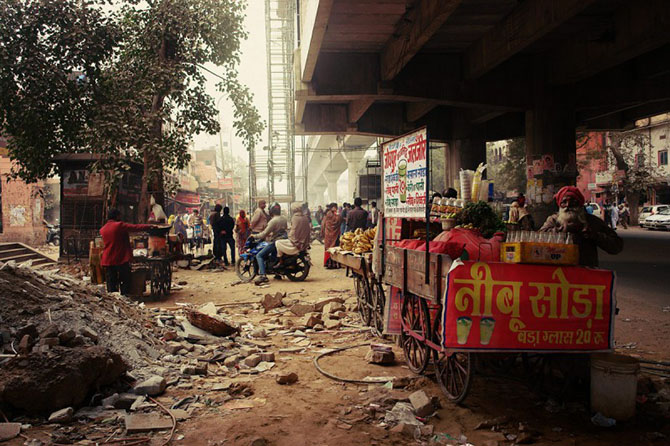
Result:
pixel 22 209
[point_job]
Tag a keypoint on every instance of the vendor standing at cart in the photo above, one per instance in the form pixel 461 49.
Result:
pixel 117 252
pixel 330 231
pixel 589 232
pixel 357 218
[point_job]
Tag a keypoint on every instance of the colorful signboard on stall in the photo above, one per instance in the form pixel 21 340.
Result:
pixel 393 316
pixel 499 306
pixel 406 175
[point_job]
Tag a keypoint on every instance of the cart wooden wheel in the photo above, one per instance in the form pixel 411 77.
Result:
pixel 454 373
pixel 378 307
pixel 364 299
pixel 415 331
pixel 161 278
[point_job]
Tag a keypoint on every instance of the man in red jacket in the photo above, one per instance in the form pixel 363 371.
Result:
pixel 117 253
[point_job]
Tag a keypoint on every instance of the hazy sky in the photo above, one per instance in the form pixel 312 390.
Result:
pixel 252 73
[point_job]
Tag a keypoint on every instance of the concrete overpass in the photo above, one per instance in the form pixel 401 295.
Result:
pixel 329 157
pixel 478 70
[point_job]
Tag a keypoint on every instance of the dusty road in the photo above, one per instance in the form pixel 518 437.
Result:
pixel 643 292
pixel 320 411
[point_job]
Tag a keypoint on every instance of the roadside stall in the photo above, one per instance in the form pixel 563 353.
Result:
pixel 355 254
pixel 85 199
pixel 461 290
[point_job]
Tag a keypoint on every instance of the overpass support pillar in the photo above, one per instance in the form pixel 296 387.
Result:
pixel 353 161
pixel 332 176
pixel 463 154
pixel 550 155
pixel 316 195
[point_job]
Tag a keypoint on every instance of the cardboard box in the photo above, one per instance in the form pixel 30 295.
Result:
pixel 543 253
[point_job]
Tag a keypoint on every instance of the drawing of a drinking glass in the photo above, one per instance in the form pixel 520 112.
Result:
pixel 486 326
pixel 463 326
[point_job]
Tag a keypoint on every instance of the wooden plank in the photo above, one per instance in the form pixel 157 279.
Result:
pixel 639 27
pixel 358 108
pixel 316 34
pixel 526 24
pixel 415 29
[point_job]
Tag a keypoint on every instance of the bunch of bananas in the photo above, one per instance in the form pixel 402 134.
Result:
pixel 358 241
pixel 347 241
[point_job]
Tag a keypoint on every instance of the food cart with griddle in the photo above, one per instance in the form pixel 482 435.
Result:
pixel 459 307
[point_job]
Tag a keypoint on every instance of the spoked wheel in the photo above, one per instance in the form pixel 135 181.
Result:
pixel 161 278
pixel 364 299
pixel 378 308
pixel 454 373
pixel 299 271
pixel 246 269
pixel 415 318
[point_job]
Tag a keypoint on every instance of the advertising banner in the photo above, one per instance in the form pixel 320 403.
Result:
pixel 393 316
pixel 405 175
pixel 499 306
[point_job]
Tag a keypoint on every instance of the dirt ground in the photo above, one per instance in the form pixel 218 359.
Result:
pixel 321 411
pixel 318 410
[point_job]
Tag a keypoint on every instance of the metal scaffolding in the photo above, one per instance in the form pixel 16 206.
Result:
pixel 276 162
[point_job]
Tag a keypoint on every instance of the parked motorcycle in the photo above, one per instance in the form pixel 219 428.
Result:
pixel 53 234
pixel 295 268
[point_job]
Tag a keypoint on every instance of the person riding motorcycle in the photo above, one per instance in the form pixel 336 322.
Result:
pixel 299 236
pixel 275 230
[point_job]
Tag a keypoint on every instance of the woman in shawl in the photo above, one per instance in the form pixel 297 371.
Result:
pixel 242 229
pixel 330 231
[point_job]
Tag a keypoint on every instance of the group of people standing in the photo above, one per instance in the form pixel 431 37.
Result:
pixel 616 215
pixel 337 221
pixel 228 233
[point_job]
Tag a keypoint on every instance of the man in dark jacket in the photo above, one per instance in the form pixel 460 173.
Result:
pixel 357 217
pixel 214 217
pixel 226 229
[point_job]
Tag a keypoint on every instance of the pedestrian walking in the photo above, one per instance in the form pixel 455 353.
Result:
pixel 227 229
pixel 319 215
pixel 374 214
pixel 615 216
pixel 330 231
pixel 242 230
pixel 623 216
pixel 195 221
pixel 345 211
pixel 214 218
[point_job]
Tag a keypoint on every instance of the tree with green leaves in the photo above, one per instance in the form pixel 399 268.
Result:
pixel 143 91
pixel 52 55
pixel 628 154
pixel 631 153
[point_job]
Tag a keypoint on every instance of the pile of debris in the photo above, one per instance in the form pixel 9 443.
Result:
pixel 61 338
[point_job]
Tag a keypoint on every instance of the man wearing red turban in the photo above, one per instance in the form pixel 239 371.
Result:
pixel 589 231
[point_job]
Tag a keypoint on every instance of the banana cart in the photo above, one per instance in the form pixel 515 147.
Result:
pixel 368 286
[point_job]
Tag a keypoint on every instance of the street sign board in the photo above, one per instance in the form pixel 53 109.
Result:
pixel 405 175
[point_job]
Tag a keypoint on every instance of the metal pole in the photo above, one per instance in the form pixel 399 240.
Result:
pixel 427 274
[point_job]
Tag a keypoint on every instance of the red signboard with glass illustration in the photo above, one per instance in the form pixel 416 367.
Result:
pixel 499 306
